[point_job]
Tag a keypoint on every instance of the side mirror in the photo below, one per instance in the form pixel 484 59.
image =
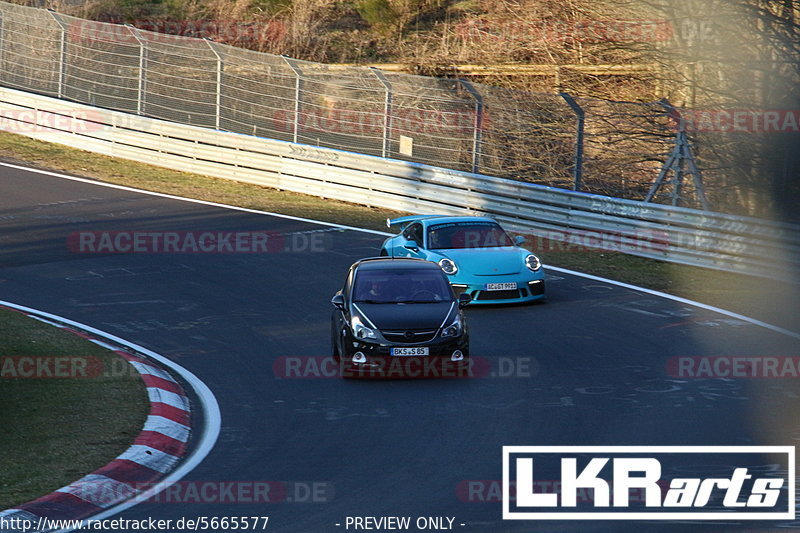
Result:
pixel 338 301
pixel 519 239
pixel 411 245
pixel 464 299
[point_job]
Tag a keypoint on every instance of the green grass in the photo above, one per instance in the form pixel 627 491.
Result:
pixel 740 293
pixel 56 430
pixel 23 150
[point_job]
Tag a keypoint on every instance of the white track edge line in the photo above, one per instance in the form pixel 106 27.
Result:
pixel 192 200
pixel 755 322
pixel 652 292
pixel 212 418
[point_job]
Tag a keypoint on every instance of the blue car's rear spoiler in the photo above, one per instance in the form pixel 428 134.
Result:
pixel 405 221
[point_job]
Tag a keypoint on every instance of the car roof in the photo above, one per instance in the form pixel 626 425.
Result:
pixel 391 263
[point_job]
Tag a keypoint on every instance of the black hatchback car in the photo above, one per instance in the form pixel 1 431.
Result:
pixel 399 316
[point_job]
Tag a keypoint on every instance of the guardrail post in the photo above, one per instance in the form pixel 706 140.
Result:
pixel 297 79
pixel 478 126
pixel 220 69
pixel 140 99
pixel 577 169
pixel 387 109
pixel 62 54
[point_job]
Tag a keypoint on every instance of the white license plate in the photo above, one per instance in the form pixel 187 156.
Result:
pixel 509 286
pixel 410 351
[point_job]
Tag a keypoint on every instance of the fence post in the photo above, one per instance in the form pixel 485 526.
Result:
pixel 577 169
pixel 140 99
pixel 2 41
pixel 387 109
pixel 297 78
pixel 220 68
pixel 478 126
pixel 2 38
pixel 62 60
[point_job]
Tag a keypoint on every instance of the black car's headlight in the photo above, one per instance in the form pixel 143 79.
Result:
pixel 533 263
pixel 448 266
pixel 361 331
pixel 454 329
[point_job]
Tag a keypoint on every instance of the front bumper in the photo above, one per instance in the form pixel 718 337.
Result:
pixel 378 361
pixel 408 367
pixel 528 290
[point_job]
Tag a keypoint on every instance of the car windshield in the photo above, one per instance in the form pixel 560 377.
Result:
pixel 467 235
pixel 401 286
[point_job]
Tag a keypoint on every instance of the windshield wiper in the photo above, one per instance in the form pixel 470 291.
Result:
pixel 373 301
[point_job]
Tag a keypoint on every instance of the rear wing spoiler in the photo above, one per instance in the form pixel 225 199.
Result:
pixel 405 221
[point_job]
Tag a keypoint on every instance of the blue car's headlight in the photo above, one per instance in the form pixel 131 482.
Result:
pixel 361 331
pixel 533 263
pixel 449 266
pixel 454 329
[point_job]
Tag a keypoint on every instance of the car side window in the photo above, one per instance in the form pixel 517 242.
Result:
pixel 348 285
pixel 414 233
pixel 418 233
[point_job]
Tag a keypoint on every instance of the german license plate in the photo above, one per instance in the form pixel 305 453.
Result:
pixel 509 286
pixel 418 350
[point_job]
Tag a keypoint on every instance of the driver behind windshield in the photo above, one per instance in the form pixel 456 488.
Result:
pixel 399 287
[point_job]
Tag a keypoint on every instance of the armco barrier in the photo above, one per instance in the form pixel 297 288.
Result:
pixel 678 235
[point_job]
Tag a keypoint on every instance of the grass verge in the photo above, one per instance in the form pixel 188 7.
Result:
pixel 743 294
pixel 58 429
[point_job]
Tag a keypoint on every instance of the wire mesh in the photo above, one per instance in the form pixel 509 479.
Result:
pixel 101 65
pixel 443 122
pixel 31 49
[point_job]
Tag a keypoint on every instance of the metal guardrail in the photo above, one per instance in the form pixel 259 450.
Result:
pixel 678 235
pixel 434 121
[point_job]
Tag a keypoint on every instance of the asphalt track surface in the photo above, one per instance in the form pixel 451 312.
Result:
pixel 589 365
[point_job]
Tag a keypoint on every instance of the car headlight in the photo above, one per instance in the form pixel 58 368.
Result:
pixel 448 266
pixel 533 263
pixel 361 331
pixel 454 329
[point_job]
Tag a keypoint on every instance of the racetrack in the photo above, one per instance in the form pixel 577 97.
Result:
pixel 589 367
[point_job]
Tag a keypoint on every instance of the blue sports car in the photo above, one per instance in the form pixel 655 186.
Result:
pixel 477 255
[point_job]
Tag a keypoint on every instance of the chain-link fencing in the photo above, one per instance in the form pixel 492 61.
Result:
pixel 443 122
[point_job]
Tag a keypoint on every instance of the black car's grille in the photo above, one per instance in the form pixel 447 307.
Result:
pixel 409 336
pixel 498 295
